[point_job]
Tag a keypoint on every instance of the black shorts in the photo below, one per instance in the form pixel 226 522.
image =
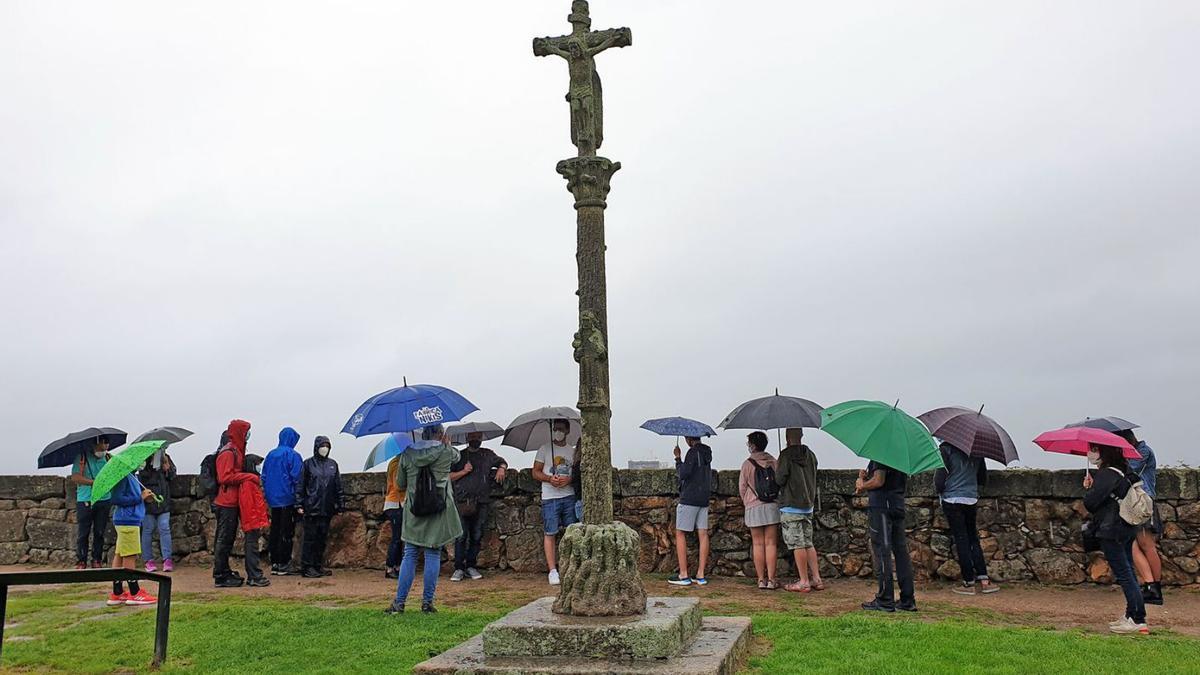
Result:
pixel 1154 526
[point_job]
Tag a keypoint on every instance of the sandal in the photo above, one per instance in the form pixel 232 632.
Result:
pixel 762 584
pixel 818 585
pixel 798 587
pixel 772 585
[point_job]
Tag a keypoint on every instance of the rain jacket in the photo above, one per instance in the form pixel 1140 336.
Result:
pixel 231 460
pixel 1109 485
pixel 252 507
pixel 319 490
pixel 796 475
pixel 281 470
pixel 695 476
pixel 437 530
pixel 127 498
pixel 159 482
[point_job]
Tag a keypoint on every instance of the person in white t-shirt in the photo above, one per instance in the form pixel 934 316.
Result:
pixel 552 467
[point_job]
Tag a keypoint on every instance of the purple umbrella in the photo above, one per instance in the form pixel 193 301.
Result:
pixel 972 432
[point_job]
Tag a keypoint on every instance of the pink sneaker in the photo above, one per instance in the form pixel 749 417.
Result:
pixel 168 566
pixel 150 566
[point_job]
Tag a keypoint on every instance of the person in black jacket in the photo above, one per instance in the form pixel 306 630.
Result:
pixel 319 497
pixel 158 511
pixel 1105 487
pixel 691 515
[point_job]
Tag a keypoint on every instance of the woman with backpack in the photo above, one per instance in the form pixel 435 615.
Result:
pixel 1105 488
pixel 759 492
pixel 430 518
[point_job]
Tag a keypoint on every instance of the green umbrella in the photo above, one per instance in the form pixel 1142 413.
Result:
pixel 122 464
pixel 884 433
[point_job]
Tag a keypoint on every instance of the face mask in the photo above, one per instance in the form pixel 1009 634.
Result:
pixel 323 451
pixel 474 445
pixel 560 436
pixel 1094 459
pixel 99 454
pixel 247 436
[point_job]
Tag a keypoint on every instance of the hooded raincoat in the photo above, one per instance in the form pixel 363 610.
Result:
pixel 281 470
pixel 231 460
pixel 319 490
pixel 437 530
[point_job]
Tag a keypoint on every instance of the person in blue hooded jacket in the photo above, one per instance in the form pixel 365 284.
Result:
pixel 280 475
pixel 129 498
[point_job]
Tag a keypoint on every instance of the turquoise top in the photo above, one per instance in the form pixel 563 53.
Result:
pixel 91 467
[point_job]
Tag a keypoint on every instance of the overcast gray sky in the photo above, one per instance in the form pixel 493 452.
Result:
pixel 273 210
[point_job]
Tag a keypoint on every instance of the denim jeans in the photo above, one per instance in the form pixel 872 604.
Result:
pixel 466 547
pixel 162 522
pixel 92 521
pixel 1119 555
pixel 408 573
pixel 396 545
pixel 888 541
pixel 965 533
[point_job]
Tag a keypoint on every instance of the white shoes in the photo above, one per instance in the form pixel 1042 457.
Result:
pixel 474 573
pixel 553 576
pixel 457 576
pixel 1127 626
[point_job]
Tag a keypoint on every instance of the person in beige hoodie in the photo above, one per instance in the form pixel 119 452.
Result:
pixel 762 508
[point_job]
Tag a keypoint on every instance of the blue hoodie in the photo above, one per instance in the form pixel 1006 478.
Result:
pixel 127 497
pixel 281 470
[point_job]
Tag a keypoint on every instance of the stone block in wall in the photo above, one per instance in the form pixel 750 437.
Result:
pixel 507 517
pixel 186 485
pixel 364 483
pixel 1052 566
pixel 1067 483
pixel 727 541
pixel 727 483
pixel 49 534
pixel 48 514
pixel 647 482
pixel 526 483
pixel 1009 569
pixel 1018 483
pixel 347 544
pixel 523 551
pixel 32 487
pixel 7 504
pixel 13 552
pixel 12 526
pixel 921 485
pixel 837 481
pixel 1178 484
pixel 1188 514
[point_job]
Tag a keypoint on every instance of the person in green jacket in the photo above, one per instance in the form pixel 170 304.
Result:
pixel 430 518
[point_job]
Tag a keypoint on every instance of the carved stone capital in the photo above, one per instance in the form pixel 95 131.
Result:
pixel 588 179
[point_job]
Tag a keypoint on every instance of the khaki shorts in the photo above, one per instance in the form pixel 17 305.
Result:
pixel 797 530
pixel 129 540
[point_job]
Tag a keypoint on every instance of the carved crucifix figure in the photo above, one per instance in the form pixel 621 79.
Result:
pixel 584 95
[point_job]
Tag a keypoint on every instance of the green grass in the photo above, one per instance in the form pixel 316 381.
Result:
pixel 223 634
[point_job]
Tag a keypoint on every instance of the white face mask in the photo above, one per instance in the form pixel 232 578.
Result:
pixel 323 451
pixel 99 454
pixel 560 436
pixel 1094 458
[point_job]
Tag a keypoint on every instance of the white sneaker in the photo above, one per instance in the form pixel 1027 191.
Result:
pixel 457 576
pixel 1127 626
pixel 553 576
pixel 474 573
pixel 1118 622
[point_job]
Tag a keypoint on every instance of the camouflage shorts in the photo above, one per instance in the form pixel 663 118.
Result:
pixel 797 530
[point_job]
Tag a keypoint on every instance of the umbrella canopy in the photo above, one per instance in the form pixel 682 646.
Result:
pixel 883 433
pixel 678 426
pixel 531 431
pixel 122 464
pixel 1075 441
pixel 407 408
pixel 774 412
pixel 1110 424
pixel 393 444
pixel 67 449
pixel 972 432
pixel 458 432
pixel 168 434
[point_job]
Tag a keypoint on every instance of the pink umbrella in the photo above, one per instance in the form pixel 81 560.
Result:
pixel 1075 441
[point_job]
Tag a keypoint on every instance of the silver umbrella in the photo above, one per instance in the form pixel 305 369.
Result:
pixel 168 434
pixel 531 431
pixel 458 432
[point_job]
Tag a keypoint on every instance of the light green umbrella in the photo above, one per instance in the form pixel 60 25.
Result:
pixel 122 464
pixel 883 433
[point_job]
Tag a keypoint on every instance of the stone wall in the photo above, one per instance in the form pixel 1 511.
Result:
pixel 1029 521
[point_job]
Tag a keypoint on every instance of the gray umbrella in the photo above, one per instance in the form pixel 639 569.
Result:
pixel 774 412
pixel 531 431
pixel 1111 424
pixel 458 432
pixel 168 434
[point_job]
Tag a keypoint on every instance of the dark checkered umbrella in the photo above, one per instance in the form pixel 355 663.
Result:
pixel 971 432
pixel 1114 425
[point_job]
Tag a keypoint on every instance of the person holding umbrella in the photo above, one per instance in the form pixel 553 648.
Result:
pixel 130 498
pixel 552 467
pixel 91 516
pixel 958 486
pixel 694 472
pixel 1105 487
pixel 158 511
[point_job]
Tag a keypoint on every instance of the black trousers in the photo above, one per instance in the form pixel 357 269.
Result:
pixel 966 541
pixel 92 520
pixel 312 550
pixel 251 539
pixel 283 533
pixel 227 527
pixel 466 547
pixel 889 542
pixel 395 546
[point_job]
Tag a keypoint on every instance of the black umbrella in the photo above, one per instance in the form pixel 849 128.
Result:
pixel 972 432
pixel 774 412
pixel 1110 424
pixel 67 449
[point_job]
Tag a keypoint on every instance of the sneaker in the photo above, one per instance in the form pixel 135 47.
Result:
pixel 553 578
pixel 474 573
pixel 700 581
pixel 325 572
pixel 97 565
pixel 1126 626
pixel 965 588
pixel 115 600
pixel 391 573
pixel 394 608
pixel 457 576
pixel 168 566
pixel 228 582
pixel 1118 622
pixel 428 608
pixel 259 582
pixel 875 606
pixel 772 584
pixel 311 573
pixel 676 580
pixel 150 566
pixel 141 598
pixel 278 571
pixel 910 607
pixel 81 565
pixel 988 587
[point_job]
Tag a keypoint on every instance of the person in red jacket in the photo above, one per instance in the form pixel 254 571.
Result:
pixel 231 475
pixel 252 509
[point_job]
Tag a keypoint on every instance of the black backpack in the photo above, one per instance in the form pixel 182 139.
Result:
pixel 208 475
pixel 427 498
pixel 765 486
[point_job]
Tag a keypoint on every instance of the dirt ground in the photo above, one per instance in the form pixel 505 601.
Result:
pixel 1089 607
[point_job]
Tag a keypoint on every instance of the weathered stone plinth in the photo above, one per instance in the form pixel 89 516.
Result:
pixel 666 627
pixel 599 565
pixel 670 637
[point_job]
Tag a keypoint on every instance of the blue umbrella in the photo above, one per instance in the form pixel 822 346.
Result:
pixel 678 426
pixel 407 408
pixel 393 444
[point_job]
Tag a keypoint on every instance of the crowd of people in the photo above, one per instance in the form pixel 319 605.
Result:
pixel 437 496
